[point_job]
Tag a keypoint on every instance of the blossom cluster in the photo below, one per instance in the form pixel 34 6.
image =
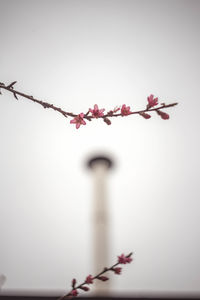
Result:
pixel 124 111
pixel 122 259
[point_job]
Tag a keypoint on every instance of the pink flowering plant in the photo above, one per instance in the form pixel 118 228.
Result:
pixel 96 112
pixel 89 280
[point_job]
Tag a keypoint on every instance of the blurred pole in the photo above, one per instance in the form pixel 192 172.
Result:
pixel 100 166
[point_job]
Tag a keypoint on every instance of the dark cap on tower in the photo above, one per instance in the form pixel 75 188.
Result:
pixel 100 159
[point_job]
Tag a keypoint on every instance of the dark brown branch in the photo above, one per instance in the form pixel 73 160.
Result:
pixel 69 295
pixel 31 98
pixel 66 114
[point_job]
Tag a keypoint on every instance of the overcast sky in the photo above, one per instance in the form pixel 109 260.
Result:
pixel 74 54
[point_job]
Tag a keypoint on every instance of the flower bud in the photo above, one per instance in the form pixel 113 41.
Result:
pixel 107 121
pixel 103 278
pixel 144 115
pixel 73 282
pixel 117 270
pixel 84 288
pixel 163 115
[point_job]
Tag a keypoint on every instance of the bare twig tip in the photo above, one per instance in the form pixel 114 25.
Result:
pixel 11 84
pixel 15 96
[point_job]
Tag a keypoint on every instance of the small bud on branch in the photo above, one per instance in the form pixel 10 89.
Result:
pixel 107 121
pixel 84 288
pixel 163 115
pixel 103 278
pixel 117 270
pixel 73 282
pixel 144 115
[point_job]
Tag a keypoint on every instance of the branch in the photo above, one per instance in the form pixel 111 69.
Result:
pixel 122 259
pixel 96 113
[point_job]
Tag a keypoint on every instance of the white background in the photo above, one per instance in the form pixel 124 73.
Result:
pixel 75 54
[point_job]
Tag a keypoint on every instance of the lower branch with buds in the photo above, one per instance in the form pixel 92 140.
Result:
pixel 122 259
pixel 96 113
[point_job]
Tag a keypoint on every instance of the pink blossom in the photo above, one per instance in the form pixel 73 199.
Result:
pixel 96 112
pixel 78 120
pixel 152 101
pixel 163 115
pixel 122 259
pixel 125 110
pixel 74 293
pixel 89 279
pixel 117 270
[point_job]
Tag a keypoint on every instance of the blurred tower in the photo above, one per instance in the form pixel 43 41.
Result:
pixel 100 166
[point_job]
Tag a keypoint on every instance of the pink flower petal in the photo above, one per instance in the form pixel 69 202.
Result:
pixel 83 122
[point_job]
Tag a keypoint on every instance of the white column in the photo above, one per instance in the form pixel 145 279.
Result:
pixel 100 220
